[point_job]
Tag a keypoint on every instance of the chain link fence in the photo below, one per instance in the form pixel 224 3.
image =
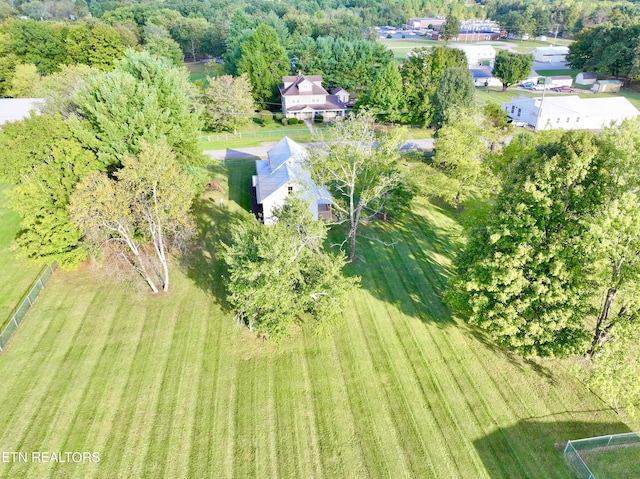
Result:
pixel 26 304
pixel 576 452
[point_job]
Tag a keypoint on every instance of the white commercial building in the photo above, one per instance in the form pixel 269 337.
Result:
pixel 476 54
pixel 569 112
pixel 550 54
pixel 15 109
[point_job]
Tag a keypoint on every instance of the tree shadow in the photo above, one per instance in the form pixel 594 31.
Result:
pixel 534 448
pixel 215 214
pixel 407 262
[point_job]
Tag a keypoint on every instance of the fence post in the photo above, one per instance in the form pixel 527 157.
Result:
pixel 14 320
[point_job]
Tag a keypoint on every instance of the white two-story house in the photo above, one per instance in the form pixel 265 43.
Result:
pixel 281 174
pixel 304 97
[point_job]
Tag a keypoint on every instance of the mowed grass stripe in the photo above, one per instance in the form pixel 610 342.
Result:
pixel 465 406
pixel 265 431
pixel 337 436
pixel 414 359
pixel 177 394
pixel 378 439
pixel 204 451
pixel 30 417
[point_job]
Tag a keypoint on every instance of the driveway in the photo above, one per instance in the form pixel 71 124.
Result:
pixel 261 151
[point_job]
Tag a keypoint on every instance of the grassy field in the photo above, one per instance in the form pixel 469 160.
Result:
pixel 620 463
pixel 17 276
pixel 167 386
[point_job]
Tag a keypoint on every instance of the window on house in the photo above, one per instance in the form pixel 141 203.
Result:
pixel 558 120
pixel 290 189
pixel 513 108
pixel 519 111
pixel 568 119
pixel 577 119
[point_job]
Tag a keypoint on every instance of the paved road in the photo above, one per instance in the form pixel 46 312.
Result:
pixel 261 151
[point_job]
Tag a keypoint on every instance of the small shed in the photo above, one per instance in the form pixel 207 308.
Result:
pixel 559 80
pixel 586 78
pixel 484 78
pixel 606 86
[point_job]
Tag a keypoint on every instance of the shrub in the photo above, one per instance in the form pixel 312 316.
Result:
pixel 293 121
pixel 266 116
pixel 278 116
pixel 285 121
pixel 319 118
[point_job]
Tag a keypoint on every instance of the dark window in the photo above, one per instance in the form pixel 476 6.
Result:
pixel 519 111
pixel 290 189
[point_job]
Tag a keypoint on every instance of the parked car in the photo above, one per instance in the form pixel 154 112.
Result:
pixel 519 123
pixel 537 88
pixel 527 84
pixel 565 89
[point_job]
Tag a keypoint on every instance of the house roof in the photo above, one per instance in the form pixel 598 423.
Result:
pixel 332 103
pixel 292 89
pixel 285 165
pixel 337 90
pixel 551 50
pixel 576 106
pixel 480 73
pixel 561 77
pixel 588 75
pixel 15 109
pixel 609 82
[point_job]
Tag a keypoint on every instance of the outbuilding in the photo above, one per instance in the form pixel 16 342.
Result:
pixel 606 86
pixel 550 54
pixel 586 78
pixel 559 80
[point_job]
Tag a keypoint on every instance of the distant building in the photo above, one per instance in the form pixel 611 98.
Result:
pixel 476 54
pixel 304 97
pixel 426 23
pixel 586 78
pixel 15 109
pixel 550 54
pixel 281 174
pixel 483 78
pixel 559 80
pixel 569 112
pixel 606 86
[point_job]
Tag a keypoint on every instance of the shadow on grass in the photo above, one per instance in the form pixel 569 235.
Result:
pixel 535 448
pixel 407 262
pixel 215 213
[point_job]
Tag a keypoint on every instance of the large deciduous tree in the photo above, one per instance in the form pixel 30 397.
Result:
pixel 522 276
pixel 359 170
pixel 145 98
pixel 265 62
pixel 511 68
pixel 142 215
pixel 450 29
pixel 41 156
pixel 385 98
pixel 228 103
pixel 455 91
pixel 280 275
pixel 421 74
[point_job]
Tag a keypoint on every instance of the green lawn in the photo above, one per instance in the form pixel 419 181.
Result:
pixel 17 276
pixel 166 386
pixel 620 463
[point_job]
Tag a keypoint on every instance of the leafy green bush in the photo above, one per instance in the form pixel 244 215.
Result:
pixel 278 116
pixel 266 117
pixel 319 118
pixel 293 121
pixel 285 121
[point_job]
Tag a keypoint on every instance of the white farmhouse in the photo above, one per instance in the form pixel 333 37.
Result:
pixel 304 97
pixel 281 174
pixel 569 112
pixel 15 109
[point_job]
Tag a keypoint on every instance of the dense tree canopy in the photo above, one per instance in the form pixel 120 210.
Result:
pixel 265 62
pixel 421 74
pixel 455 91
pixel 280 275
pixel 228 103
pixel 511 68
